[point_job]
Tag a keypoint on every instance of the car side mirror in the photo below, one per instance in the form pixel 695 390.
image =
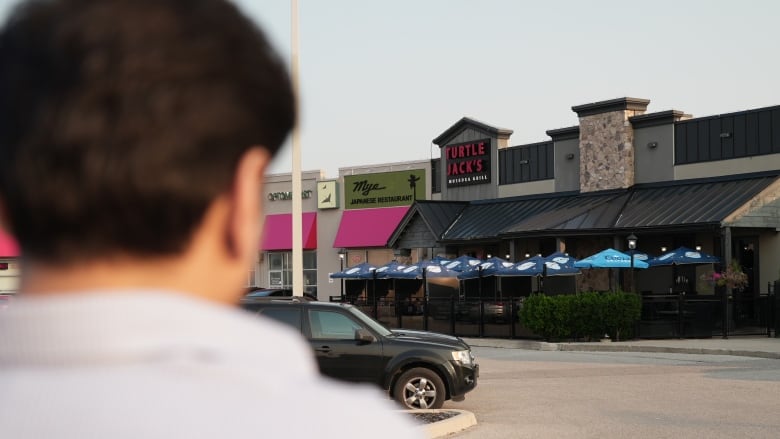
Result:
pixel 364 336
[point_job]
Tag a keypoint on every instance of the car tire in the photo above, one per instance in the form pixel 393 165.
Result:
pixel 420 388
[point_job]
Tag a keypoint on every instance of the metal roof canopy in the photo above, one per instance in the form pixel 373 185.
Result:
pixel 695 203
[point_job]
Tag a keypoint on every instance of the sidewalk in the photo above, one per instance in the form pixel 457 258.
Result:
pixel 756 346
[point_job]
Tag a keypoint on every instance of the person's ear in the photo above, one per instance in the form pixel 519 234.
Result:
pixel 245 217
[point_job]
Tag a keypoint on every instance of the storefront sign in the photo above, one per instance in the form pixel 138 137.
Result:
pixel 468 163
pixel 276 196
pixel 385 189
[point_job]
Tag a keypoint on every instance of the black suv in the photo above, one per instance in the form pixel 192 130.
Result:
pixel 419 369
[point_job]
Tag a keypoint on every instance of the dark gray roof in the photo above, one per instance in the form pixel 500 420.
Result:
pixel 586 212
pixel 700 202
pixel 437 216
pixel 486 219
pixel 466 121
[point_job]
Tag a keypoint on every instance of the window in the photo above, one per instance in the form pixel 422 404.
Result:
pixel 280 270
pixel 332 325
pixel 288 316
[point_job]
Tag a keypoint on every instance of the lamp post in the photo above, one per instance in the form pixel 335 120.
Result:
pixel 342 255
pixel 632 239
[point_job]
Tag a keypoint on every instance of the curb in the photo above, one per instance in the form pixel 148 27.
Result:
pixel 614 347
pixel 461 421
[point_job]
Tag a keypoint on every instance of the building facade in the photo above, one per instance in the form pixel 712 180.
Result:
pixel 667 177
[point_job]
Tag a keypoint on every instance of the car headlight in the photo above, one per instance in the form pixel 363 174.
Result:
pixel 463 357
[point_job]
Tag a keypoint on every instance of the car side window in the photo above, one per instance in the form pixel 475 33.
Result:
pixel 288 316
pixel 331 325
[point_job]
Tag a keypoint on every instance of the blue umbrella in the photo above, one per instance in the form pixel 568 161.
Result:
pixel 387 270
pixel 533 266
pixel 422 270
pixel 683 255
pixel 360 271
pixel 462 263
pixel 491 267
pixel 609 258
pixel 560 264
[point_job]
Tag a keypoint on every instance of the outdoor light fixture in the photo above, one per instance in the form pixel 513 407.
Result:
pixel 631 241
pixel 652 145
pixel 570 156
pixel 508 256
pixel 698 248
pixel 663 249
pixel 489 256
pixel 528 255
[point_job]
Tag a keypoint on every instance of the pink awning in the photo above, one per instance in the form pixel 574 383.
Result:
pixel 8 246
pixel 277 232
pixel 368 227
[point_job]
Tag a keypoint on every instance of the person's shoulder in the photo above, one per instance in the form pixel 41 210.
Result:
pixel 343 411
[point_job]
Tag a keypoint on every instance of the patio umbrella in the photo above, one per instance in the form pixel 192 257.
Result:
pixel 360 271
pixel 609 258
pixel 462 263
pixel 533 266
pixel 490 267
pixel 385 271
pixel 422 270
pixel 559 264
pixel 683 255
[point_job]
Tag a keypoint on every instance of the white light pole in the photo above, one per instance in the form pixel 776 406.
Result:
pixel 297 202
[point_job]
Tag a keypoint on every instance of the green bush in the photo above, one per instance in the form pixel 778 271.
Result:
pixel 587 315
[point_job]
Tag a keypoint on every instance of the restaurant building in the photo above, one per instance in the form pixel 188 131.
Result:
pixel 667 177
pixel 346 221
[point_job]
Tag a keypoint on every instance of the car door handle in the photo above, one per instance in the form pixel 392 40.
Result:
pixel 323 349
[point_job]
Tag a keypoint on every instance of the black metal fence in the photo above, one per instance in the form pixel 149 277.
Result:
pixel 681 316
pixel 464 318
pixel 663 316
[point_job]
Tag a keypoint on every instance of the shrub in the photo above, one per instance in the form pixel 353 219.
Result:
pixel 587 315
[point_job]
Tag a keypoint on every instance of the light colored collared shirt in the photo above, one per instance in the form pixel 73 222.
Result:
pixel 152 364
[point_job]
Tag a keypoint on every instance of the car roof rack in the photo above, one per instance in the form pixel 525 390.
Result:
pixel 294 299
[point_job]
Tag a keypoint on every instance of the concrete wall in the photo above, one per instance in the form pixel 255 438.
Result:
pixel 530 188
pixel 567 171
pixel 654 163
pixel 769 260
pixel 743 165
pixel 280 183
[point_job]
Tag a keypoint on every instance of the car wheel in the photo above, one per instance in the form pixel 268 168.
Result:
pixel 420 388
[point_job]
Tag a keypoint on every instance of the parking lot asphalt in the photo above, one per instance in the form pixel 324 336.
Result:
pixel 754 346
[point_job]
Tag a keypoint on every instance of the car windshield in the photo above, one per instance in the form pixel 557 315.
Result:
pixel 371 323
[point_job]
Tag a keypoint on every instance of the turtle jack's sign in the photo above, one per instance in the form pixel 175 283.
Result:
pixel 384 189
pixel 468 163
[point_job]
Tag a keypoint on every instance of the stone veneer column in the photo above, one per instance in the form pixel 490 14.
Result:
pixel 607 143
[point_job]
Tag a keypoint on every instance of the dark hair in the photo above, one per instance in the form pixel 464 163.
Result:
pixel 121 120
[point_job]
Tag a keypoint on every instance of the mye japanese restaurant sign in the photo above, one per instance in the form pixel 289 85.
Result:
pixel 468 163
pixel 384 189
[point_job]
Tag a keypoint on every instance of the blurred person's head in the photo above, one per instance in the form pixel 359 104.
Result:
pixel 137 130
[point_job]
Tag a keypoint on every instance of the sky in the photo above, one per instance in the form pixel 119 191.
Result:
pixel 379 79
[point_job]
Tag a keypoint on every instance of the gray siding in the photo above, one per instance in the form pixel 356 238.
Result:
pixel 654 163
pixel 567 172
pixel 416 235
